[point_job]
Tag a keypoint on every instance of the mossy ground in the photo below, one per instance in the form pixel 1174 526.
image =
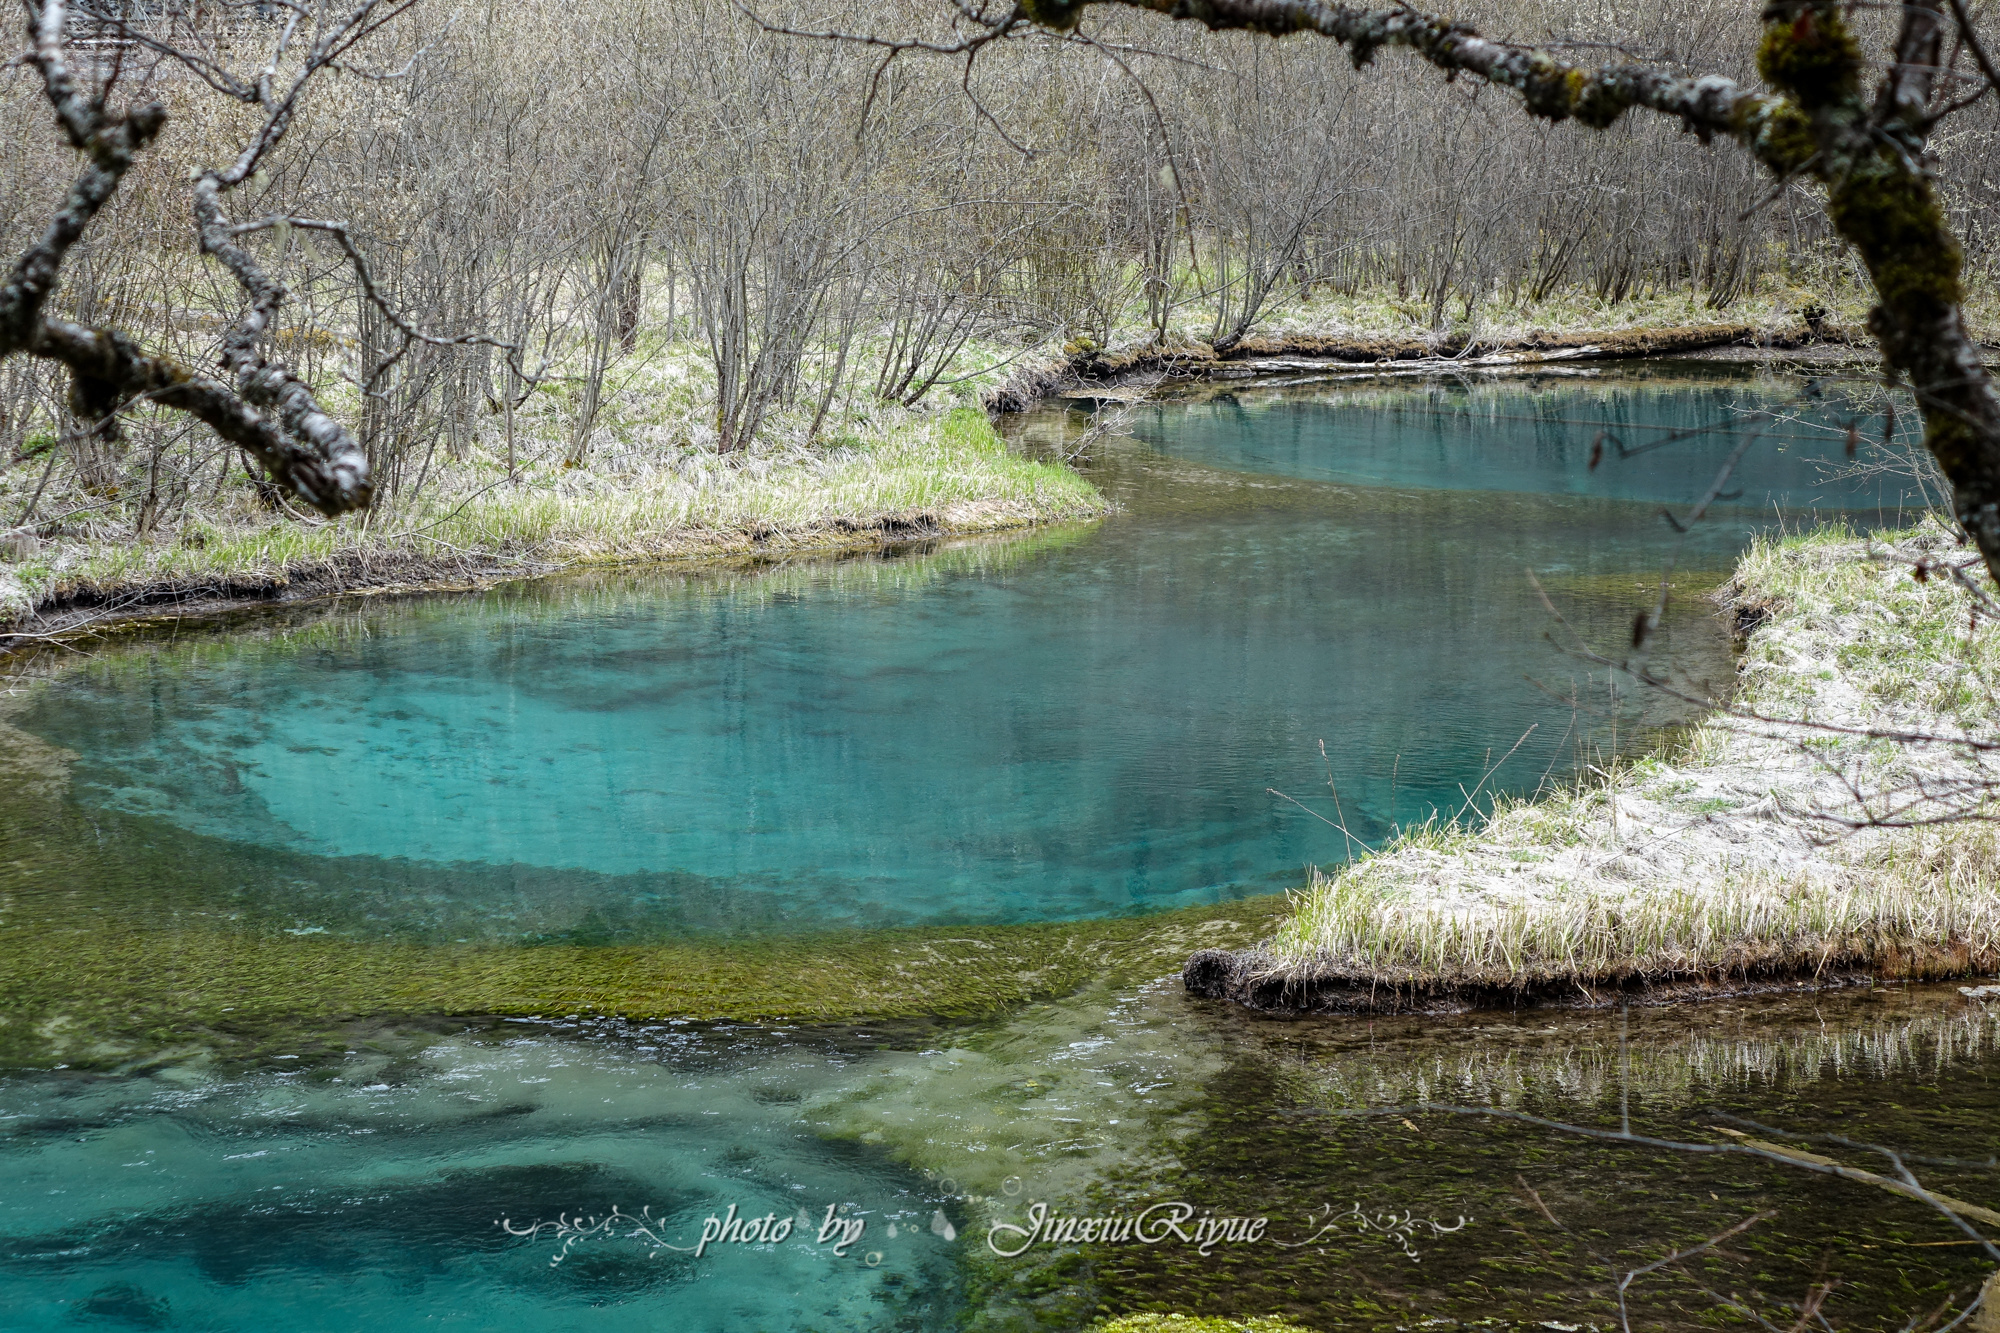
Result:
pixel 1182 1323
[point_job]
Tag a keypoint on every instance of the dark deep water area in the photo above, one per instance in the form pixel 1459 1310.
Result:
pixel 1320 602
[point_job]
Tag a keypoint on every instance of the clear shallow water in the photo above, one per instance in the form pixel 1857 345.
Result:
pixel 1076 723
pixel 1655 440
pixel 1081 723
pixel 367 1190
pixel 363 1190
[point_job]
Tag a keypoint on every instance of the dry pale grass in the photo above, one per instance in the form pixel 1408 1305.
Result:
pixel 1739 851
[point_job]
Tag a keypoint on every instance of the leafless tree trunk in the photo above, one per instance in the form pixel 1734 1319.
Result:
pixel 265 408
pixel 1267 182
pixel 1097 185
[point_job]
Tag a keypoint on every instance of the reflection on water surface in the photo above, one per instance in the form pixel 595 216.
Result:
pixel 1080 724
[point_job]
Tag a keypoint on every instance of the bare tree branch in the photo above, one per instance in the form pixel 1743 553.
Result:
pixel 1818 121
pixel 267 409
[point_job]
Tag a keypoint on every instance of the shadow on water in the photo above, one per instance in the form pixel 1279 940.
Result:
pixel 1534 1228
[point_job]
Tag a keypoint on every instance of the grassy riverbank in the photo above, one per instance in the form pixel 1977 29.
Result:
pixel 919 476
pixel 1374 332
pixel 1752 851
pixel 171 520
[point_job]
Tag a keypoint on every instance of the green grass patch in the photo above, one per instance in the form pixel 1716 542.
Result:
pixel 949 472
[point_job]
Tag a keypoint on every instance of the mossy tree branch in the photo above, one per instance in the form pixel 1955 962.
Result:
pixel 1818 120
pixel 270 413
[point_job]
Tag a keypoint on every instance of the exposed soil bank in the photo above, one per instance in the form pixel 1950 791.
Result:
pixel 1856 844
pixel 1257 980
pixel 1096 369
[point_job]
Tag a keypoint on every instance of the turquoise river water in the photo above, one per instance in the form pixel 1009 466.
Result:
pixel 1314 603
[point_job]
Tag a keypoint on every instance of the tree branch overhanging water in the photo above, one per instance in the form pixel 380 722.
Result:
pixel 1817 122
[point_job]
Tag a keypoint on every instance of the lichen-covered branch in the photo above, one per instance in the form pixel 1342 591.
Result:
pixel 108 363
pixel 1551 86
pixel 1817 120
pixel 110 144
pixel 269 412
pixel 340 482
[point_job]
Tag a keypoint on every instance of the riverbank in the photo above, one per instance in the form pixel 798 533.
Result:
pixel 921 478
pixel 1789 841
pixel 1378 336
pixel 179 537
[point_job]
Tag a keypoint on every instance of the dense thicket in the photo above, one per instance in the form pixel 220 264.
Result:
pixel 595 180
